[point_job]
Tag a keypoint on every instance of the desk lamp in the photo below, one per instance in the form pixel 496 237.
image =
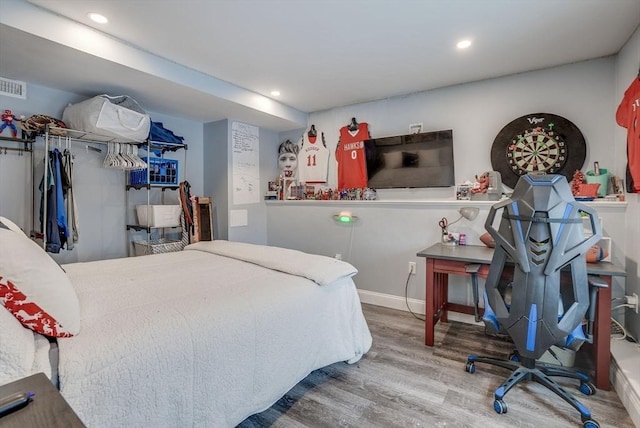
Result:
pixel 469 213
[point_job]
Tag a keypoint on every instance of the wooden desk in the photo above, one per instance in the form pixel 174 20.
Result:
pixel 48 408
pixel 444 260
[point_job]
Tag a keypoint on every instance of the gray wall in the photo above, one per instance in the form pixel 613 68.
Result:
pixel 218 176
pixel 216 182
pixel 390 232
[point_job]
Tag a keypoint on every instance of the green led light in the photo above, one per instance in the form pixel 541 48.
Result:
pixel 344 219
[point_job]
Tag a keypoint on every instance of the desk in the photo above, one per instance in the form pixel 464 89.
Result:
pixel 444 260
pixel 48 408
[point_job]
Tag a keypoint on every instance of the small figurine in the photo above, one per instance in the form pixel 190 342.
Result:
pixel 576 182
pixel 482 184
pixel 7 121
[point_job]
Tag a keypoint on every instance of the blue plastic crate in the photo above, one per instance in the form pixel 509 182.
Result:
pixel 161 171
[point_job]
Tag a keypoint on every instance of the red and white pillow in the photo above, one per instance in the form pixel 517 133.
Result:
pixel 33 287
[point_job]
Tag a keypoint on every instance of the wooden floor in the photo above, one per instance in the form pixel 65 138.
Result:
pixel 402 383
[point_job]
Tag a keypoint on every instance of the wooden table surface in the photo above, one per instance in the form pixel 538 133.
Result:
pixel 48 409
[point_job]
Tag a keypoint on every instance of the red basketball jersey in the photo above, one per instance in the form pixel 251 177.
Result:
pixel 628 116
pixel 351 157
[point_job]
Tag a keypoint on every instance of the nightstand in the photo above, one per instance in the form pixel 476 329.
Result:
pixel 48 408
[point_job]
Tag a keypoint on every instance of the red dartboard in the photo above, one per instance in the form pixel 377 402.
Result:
pixel 538 143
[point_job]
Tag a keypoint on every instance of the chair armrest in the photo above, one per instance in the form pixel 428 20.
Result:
pixel 596 281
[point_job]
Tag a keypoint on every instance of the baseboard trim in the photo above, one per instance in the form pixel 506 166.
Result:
pixel 392 302
pixel 624 378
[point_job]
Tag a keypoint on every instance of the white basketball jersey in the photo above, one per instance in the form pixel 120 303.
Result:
pixel 313 159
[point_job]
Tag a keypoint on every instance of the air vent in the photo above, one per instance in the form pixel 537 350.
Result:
pixel 13 88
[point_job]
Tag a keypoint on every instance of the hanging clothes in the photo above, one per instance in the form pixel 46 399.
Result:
pixel 70 202
pixel 50 224
pixel 56 222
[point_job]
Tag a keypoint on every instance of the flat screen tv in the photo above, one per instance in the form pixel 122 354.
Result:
pixel 412 160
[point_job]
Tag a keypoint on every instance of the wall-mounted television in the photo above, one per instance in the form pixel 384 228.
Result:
pixel 412 160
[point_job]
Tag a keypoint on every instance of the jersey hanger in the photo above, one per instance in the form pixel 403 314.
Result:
pixel 353 126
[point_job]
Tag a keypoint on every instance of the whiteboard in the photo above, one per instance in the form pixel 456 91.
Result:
pixel 245 163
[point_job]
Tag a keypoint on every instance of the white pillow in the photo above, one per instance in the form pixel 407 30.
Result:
pixel 9 224
pixel 34 288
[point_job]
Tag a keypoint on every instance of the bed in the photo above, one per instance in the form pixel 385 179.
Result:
pixel 202 337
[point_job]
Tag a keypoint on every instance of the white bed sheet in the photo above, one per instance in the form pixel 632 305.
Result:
pixel 196 339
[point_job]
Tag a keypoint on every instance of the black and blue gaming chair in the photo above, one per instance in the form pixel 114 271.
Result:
pixel 539 240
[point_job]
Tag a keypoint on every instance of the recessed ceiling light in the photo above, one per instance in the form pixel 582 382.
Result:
pixel 275 93
pixel 463 44
pixel 96 17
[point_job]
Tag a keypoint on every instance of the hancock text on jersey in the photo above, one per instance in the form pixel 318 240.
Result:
pixel 353 146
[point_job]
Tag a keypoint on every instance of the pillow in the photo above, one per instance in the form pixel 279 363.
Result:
pixel 5 223
pixel 17 348
pixel 392 160
pixel 34 288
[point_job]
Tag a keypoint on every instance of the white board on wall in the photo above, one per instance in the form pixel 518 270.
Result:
pixel 245 163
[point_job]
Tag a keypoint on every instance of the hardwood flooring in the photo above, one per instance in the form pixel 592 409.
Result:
pixel 402 383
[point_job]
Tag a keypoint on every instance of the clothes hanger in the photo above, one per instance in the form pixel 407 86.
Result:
pixel 353 126
pixel 312 132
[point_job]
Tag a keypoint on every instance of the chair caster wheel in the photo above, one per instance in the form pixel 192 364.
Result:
pixel 587 388
pixel 470 367
pixel 514 356
pixel 590 423
pixel 500 407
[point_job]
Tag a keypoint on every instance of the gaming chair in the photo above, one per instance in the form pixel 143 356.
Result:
pixel 539 240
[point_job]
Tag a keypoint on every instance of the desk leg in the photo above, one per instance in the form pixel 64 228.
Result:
pixel 602 336
pixel 429 304
pixel 435 302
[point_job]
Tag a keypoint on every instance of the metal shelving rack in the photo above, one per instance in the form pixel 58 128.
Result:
pixel 78 136
pixel 149 147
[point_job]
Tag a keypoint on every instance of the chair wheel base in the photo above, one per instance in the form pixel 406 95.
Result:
pixel 587 388
pixel 500 407
pixel 590 423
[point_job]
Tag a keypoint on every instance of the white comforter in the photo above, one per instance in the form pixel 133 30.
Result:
pixel 197 339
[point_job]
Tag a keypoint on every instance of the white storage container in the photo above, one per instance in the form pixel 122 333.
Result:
pixel 158 215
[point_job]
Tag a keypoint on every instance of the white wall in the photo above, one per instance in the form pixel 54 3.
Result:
pixel 390 232
pixel 582 93
pixel 100 192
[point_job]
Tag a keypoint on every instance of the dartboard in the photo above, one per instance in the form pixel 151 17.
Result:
pixel 538 143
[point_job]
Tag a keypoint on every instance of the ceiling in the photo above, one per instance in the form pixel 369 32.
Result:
pixel 206 60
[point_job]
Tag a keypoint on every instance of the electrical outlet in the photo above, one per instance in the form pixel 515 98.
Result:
pixel 633 300
pixel 412 268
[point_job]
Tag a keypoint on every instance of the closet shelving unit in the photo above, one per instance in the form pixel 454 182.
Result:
pixel 67 137
pixel 71 136
pixel 147 244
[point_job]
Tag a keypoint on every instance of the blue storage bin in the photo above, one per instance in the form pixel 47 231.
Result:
pixel 161 171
